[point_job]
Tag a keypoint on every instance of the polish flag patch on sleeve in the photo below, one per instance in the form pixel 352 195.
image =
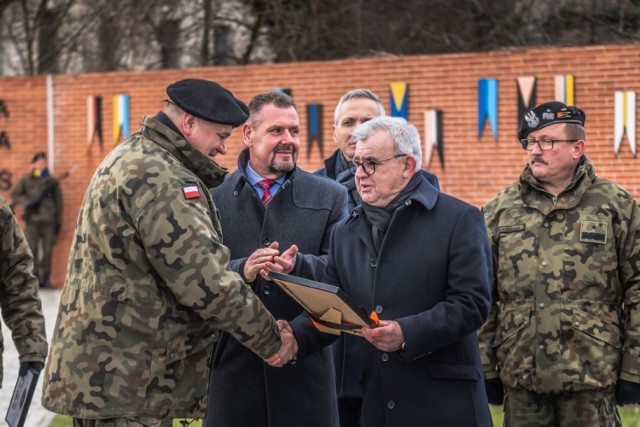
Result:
pixel 191 191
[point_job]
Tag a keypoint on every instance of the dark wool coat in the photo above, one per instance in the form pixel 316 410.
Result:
pixel 433 276
pixel 347 360
pixel 245 391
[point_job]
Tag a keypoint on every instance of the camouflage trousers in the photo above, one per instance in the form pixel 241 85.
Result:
pixel 124 422
pixel 595 408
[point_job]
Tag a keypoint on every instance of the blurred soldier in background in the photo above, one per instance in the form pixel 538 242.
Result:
pixel 41 196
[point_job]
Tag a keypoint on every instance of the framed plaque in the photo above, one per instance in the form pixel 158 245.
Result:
pixel 21 398
pixel 330 308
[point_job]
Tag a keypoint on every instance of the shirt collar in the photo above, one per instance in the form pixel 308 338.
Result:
pixel 254 178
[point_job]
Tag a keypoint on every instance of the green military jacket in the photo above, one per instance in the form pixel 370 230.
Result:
pixel 148 288
pixel 565 314
pixel 47 191
pixel 19 300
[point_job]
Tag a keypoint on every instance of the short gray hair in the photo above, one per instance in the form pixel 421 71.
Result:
pixel 574 131
pixel 405 136
pixel 357 93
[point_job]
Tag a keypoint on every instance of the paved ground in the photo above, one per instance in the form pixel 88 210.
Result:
pixel 37 416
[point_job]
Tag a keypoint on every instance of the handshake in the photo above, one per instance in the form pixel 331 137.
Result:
pixel 288 348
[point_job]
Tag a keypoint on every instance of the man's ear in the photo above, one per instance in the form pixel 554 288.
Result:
pixel 578 149
pixel 187 123
pixel 410 166
pixel 247 135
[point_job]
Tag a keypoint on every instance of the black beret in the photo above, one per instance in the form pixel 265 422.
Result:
pixel 209 101
pixel 39 155
pixel 547 114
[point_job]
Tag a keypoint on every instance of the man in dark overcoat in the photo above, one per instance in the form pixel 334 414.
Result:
pixel 420 259
pixel 284 226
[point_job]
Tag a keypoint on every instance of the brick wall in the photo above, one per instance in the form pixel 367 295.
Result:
pixel 476 167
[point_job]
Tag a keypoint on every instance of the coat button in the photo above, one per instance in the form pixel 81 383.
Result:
pixel 374 262
pixel 267 290
pixel 391 404
pixel 379 309
pixel 384 357
pixel 266 241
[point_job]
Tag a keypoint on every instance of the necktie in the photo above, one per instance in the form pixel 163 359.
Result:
pixel 266 184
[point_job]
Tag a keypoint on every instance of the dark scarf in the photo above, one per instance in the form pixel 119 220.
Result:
pixel 344 175
pixel 379 218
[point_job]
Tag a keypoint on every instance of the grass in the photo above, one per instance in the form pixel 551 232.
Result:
pixel 630 418
pixel 630 415
pixel 64 421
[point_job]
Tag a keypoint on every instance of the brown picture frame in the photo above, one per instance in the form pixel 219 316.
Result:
pixel 331 309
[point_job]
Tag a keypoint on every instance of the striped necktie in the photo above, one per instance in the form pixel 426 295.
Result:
pixel 266 184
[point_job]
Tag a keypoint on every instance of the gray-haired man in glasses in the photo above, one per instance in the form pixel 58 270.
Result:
pixel 420 258
pixel 562 343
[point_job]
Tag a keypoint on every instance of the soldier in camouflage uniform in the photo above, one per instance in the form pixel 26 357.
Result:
pixel 19 300
pixel 148 288
pixel 41 195
pixel 562 343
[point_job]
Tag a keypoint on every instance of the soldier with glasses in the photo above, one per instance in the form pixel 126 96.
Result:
pixel 562 343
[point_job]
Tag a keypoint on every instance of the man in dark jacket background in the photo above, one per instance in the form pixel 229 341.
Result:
pixel 276 217
pixel 354 108
pixel 420 259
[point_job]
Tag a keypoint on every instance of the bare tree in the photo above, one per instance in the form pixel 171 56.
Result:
pixel 44 36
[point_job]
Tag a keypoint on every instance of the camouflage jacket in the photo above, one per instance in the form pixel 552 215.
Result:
pixel 19 300
pixel 148 288
pixel 565 313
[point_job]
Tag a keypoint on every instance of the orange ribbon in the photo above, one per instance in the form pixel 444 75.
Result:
pixel 374 316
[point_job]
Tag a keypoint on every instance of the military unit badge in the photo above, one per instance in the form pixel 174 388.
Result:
pixel 532 119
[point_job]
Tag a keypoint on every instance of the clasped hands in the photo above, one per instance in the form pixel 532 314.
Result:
pixel 264 260
pixel 288 348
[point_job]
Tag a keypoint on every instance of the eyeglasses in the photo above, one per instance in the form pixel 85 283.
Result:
pixel 369 165
pixel 544 143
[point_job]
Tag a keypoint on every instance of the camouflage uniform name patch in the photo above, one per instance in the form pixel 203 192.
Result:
pixel 593 232
pixel 510 228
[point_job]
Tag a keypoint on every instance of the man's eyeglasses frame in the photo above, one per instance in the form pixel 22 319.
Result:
pixel 369 165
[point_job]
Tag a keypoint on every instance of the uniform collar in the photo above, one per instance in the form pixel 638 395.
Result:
pixel 204 167
pixel 568 198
